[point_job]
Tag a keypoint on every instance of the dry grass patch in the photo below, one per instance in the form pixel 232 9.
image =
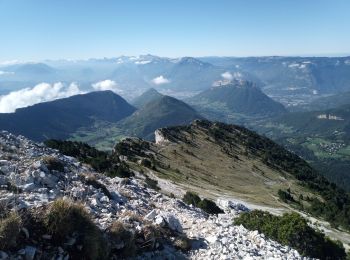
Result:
pixel 132 216
pixel 53 163
pixel 121 239
pixel 64 218
pixel 10 227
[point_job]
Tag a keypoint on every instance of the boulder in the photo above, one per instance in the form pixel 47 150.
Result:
pixel 151 215
pixel 30 252
pixel 172 222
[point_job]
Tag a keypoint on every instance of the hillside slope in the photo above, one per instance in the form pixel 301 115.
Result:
pixel 216 158
pixel 321 137
pixel 118 218
pixel 329 102
pixel 60 118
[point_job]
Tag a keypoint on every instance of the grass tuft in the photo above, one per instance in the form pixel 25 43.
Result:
pixel 10 227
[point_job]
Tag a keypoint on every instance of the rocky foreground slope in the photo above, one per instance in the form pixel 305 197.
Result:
pixel 33 176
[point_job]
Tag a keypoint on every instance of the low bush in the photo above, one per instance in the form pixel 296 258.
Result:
pixel 83 152
pixel 10 227
pixel 285 196
pixel 118 235
pixel 146 162
pixel 149 236
pixel 91 180
pixel 153 184
pixel 121 171
pixel 182 243
pixel 53 163
pixel 191 198
pixel 208 206
pixel 64 218
pixel 293 230
pixel 13 187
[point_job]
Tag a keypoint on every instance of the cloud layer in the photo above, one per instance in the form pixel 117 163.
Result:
pixel 40 93
pixel 107 85
pixel 6 73
pixel 227 75
pixel 160 80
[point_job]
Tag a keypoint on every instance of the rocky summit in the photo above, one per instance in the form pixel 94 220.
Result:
pixel 33 178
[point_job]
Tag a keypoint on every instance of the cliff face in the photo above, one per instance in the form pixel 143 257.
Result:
pixel 160 138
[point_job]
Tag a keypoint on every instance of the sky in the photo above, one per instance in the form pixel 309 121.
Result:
pixel 32 30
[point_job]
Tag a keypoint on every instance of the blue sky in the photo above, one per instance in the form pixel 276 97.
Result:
pixel 48 29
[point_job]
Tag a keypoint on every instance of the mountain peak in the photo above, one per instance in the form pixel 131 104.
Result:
pixel 148 96
pixel 160 112
pixel 238 96
pixel 194 61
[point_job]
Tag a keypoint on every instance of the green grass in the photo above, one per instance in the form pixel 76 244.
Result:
pixel 313 144
pixel 101 135
pixel 345 151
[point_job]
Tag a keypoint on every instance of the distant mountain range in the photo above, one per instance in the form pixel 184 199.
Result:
pixel 60 118
pixel 94 113
pixel 290 80
pixel 98 115
pixel 293 75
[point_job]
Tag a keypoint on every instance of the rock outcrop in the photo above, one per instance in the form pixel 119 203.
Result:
pixel 32 176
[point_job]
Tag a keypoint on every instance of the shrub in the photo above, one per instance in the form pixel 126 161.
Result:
pixel 64 218
pixel 285 196
pixel 147 163
pixel 117 235
pixel 91 180
pixel 191 198
pixel 293 230
pixel 150 235
pixel 10 227
pixel 209 206
pixel 83 152
pixel 53 163
pixel 13 188
pixel 122 171
pixel 182 243
pixel 153 184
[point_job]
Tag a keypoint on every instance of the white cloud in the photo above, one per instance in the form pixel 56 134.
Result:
pixel 6 72
pixel 227 75
pixel 107 85
pixel 143 62
pixel 160 80
pixel 40 93
pixel 10 62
